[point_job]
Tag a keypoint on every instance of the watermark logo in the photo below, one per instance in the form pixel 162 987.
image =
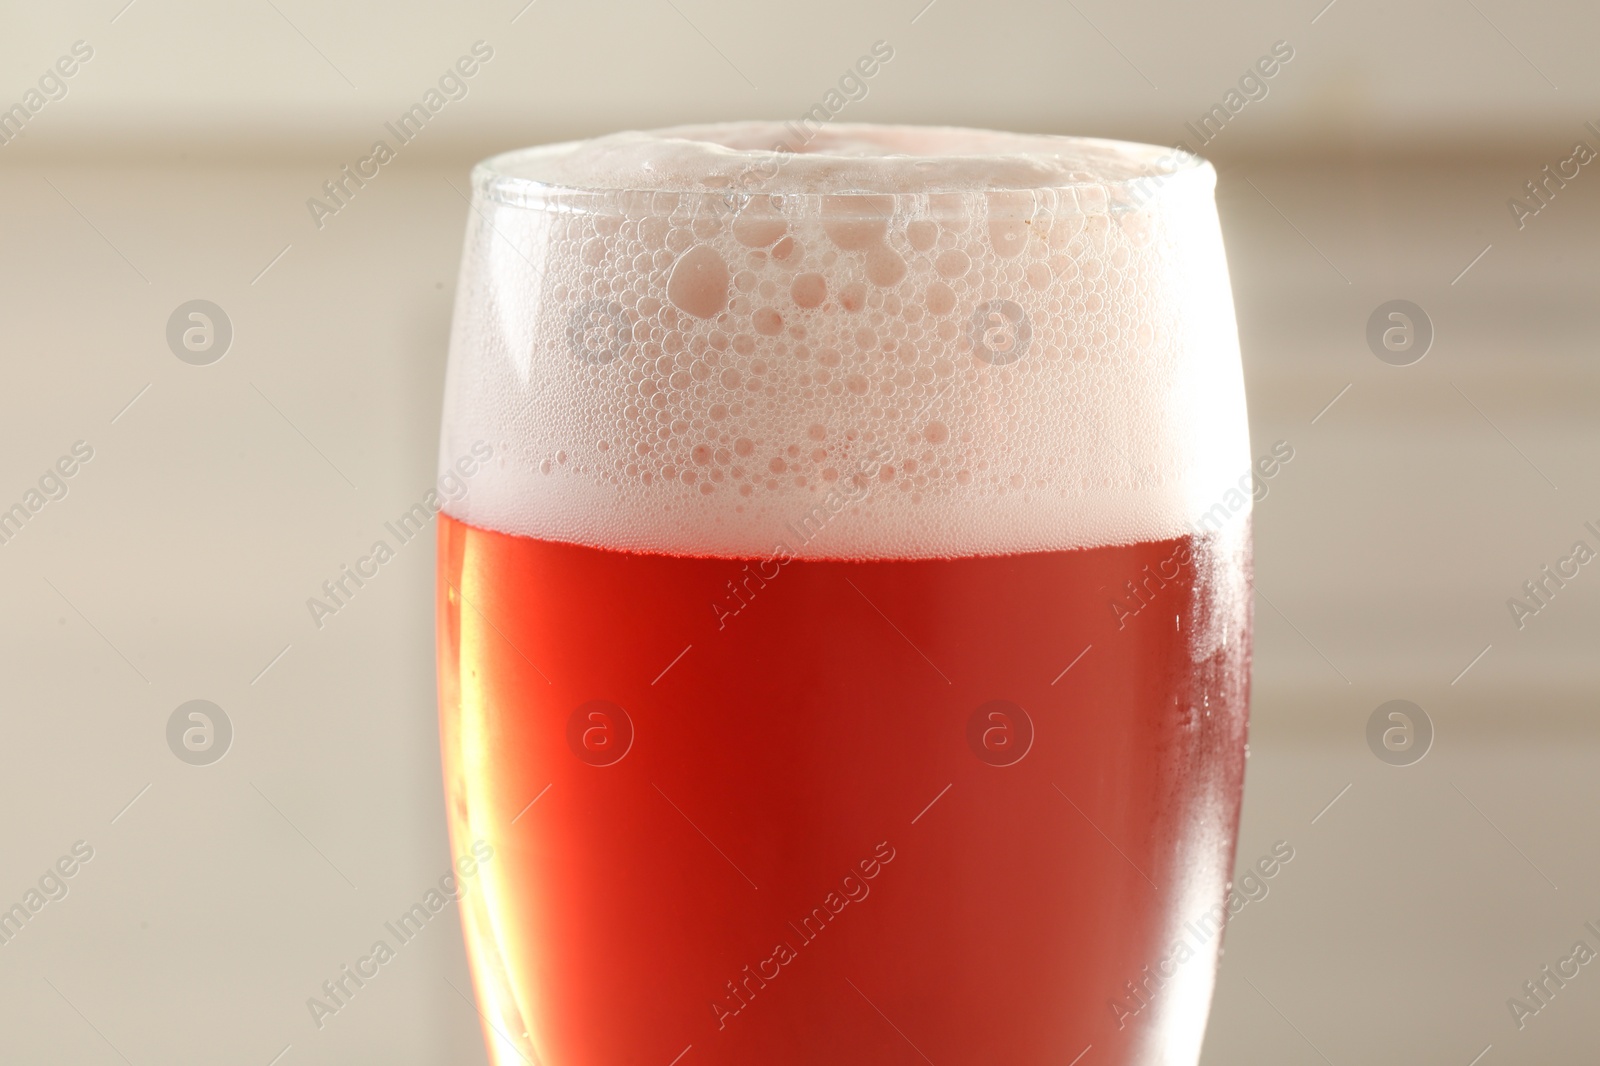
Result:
pixel 1001 332
pixel 1551 180
pixel 199 732
pixel 339 591
pixel 1550 980
pixel 51 86
pixel 1197 936
pixel 836 501
pixel 599 331
pixel 1550 580
pixel 853 887
pixel 51 486
pixel 1000 733
pixel 600 733
pixel 852 87
pixel 1399 332
pixel 51 887
pixel 1254 84
pixel 454 84
pixel 452 885
pixel 199 332
pixel 1400 733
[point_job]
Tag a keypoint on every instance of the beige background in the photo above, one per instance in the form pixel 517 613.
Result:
pixel 177 567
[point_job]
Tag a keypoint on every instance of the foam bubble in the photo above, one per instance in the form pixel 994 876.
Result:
pixel 899 342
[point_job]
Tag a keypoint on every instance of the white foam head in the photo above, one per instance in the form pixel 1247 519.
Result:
pixel 883 342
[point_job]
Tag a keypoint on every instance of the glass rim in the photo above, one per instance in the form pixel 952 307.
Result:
pixel 505 178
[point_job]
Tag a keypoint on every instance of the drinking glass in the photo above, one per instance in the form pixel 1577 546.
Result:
pixel 844 623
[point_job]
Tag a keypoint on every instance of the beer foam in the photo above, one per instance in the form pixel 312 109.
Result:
pixel 871 342
pixel 845 158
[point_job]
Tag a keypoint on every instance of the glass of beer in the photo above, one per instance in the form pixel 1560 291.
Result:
pixel 844 630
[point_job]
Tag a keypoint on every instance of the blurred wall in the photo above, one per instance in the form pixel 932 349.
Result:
pixel 283 76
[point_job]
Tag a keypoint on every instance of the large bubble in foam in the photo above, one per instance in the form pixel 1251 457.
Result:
pixel 898 342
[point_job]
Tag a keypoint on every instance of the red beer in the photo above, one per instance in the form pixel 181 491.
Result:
pixel 887 780
pixel 683 875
